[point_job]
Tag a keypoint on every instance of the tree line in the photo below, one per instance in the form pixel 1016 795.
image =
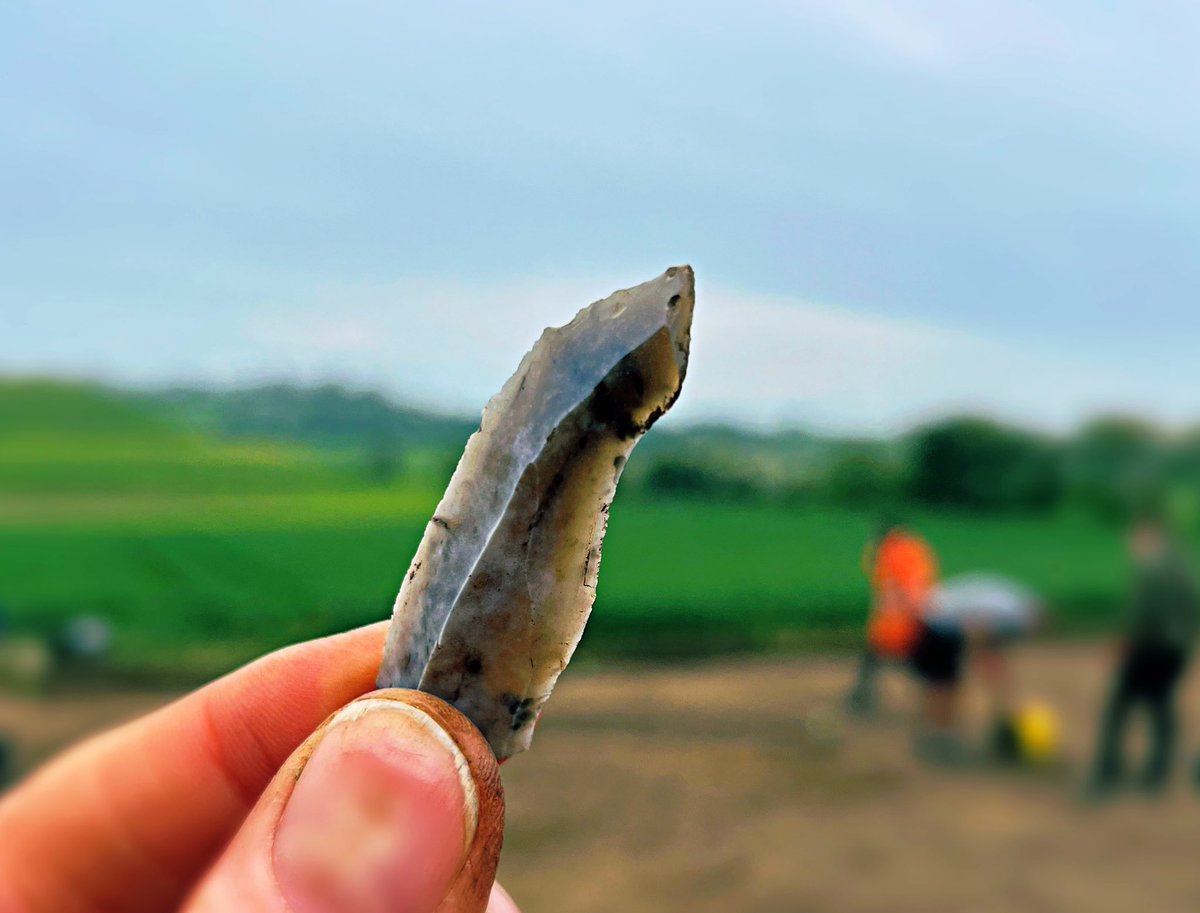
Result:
pixel 1109 468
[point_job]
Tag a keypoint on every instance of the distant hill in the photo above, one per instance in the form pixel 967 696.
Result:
pixel 194 421
pixel 333 416
pixel 50 407
pixel 326 415
pixel 329 415
pixel 64 436
pixel 772 455
pixel 69 436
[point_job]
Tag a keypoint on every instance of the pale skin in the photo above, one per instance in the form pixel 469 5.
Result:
pixel 285 787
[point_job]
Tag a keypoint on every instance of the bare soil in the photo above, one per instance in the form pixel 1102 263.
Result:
pixel 740 786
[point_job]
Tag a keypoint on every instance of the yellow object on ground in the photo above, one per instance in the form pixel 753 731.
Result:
pixel 1039 733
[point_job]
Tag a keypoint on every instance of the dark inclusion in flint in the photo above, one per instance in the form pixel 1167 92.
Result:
pixel 503 582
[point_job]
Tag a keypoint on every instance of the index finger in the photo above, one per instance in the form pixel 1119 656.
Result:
pixel 130 819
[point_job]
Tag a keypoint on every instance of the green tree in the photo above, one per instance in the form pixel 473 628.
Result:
pixel 1114 464
pixel 977 463
pixel 693 478
pixel 861 480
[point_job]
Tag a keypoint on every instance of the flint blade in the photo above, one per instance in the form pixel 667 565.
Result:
pixel 502 584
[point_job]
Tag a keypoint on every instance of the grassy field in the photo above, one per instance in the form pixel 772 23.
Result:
pixel 202 583
pixel 204 552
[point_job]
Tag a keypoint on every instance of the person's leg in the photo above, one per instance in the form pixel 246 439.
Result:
pixel 937 739
pixel 1162 742
pixel 1160 702
pixel 1107 770
pixel 862 695
pixel 937 661
pixel 995 674
pixel 941 703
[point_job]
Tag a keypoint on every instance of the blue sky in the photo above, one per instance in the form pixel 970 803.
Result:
pixel 894 209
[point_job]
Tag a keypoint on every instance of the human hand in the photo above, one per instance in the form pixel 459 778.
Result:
pixel 238 797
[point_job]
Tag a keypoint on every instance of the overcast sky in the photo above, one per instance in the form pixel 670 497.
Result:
pixel 894 209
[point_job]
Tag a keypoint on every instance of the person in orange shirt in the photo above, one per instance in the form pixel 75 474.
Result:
pixel 903 572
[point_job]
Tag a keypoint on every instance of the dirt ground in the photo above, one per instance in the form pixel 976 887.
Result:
pixel 739 786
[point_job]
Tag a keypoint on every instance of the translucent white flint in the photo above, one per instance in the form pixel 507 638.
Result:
pixel 503 582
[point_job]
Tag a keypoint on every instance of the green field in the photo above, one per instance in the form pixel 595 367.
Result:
pixel 204 552
pixel 205 583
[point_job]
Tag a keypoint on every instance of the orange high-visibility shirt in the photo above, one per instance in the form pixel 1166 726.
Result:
pixel 903 576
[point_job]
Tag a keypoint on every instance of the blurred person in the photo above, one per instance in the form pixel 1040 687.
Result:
pixel 1154 653
pixel 980 615
pixel 902 569
pixel 84 638
pixel 239 797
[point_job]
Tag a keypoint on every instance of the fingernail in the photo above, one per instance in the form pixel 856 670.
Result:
pixel 381 817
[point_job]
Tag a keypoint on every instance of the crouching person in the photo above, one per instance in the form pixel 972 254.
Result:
pixel 977 616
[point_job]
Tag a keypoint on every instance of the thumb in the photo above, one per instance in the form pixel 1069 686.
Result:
pixel 394 804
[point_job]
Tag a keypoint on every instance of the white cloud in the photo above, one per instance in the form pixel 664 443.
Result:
pixel 834 367
pixel 756 358
pixel 893 29
pixel 315 333
pixel 935 34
